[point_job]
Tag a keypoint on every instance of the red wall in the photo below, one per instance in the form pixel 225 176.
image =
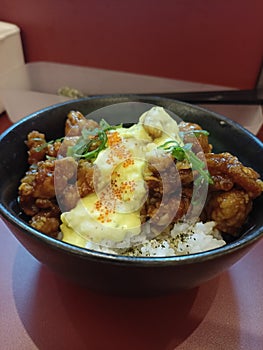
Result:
pixel 210 41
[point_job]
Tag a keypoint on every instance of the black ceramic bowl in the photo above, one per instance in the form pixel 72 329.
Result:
pixel 119 274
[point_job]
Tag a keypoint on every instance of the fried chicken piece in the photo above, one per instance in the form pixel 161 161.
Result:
pixel 53 149
pixel 228 166
pixel 65 171
pixel 44 180
pixel 221 183
pixel 69 197
pixel 186 176
pixel 184 205
pixel 39 181
pixel 163 211
pixel 73 181
pixel 44 212
pixel 49 204
pixel 76 122
pixel 170 189
pixel 37 184
pixel 85 178
pixel 199 140
pixel 46 223
pixel 37 192
pixel 37 147
pixel 65 182
pixel 164 176
pixel 47 177
pixel 229 210
pixel 68 141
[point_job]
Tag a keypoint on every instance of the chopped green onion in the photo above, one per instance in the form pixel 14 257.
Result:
pixel 45 144
pixel 104 125
pixel 84 148
pixel 185 153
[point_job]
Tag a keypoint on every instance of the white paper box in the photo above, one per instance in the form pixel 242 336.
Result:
pixel 34 85
pixel 11 52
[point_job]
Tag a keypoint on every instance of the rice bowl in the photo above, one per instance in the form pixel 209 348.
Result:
pixel 119 274
pixel 137 191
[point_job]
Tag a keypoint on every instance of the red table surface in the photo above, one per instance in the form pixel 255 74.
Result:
pixel 40 310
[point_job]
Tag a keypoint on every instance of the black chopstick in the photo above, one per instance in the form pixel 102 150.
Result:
pixel 241 97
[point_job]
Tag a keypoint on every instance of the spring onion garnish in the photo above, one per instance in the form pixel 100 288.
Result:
pixel 91 142
pixel 185 153
pixel 45 144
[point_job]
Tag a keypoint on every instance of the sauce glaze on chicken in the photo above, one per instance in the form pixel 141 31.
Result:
pixel 229 201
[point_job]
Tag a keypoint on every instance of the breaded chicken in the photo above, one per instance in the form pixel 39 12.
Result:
pixel 229 210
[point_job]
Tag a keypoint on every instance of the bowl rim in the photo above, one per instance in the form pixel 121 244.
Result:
pixel 238 244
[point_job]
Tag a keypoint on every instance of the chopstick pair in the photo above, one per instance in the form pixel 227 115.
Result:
pixel 241 97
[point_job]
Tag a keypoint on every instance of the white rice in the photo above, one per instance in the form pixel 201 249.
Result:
pixel 182 239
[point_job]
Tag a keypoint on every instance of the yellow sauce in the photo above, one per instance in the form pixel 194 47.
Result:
pixel 113 212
